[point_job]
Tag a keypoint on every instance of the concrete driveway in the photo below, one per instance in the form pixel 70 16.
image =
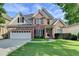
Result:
pixel 8 45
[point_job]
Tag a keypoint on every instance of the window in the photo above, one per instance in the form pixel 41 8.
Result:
pixel 20 20
pixel 39 21
pixel 39 32
pixel 59 30
pixel 24 31
pixel 48 22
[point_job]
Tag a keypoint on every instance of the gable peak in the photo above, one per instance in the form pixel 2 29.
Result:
pixel 20 14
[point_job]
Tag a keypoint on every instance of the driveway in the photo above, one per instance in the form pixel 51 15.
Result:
pixel 8 45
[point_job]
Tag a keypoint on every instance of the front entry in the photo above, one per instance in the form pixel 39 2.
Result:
pixel 39 33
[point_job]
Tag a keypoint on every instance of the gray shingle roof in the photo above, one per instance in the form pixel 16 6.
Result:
pixel 20 25
pixel 47 13
pixel 28 18
pixel 29 15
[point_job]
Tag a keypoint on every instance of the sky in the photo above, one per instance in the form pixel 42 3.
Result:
pixel 27 8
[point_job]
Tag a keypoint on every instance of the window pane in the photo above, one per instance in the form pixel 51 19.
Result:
pixel 22 19
pixel 39 21
pixel 59 31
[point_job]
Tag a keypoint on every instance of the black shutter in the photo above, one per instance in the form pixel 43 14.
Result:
pixel 43 33
pixel 18 20
pixel 22 19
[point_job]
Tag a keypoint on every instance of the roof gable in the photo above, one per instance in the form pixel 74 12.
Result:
pixel 61 21
pixel 27 19
pixel 44 13
pixel 47 13
pixel 14 20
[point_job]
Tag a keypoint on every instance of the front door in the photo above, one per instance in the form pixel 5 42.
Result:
pixel 39 33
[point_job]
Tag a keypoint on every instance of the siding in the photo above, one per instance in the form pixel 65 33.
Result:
pixel 73 29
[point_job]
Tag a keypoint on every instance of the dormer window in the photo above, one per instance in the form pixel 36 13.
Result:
pixel 20 20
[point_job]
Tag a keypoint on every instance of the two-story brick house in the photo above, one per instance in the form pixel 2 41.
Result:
pixel 39 24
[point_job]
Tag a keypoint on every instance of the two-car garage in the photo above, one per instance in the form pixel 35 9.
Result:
pixel 21 31
pixel 20 35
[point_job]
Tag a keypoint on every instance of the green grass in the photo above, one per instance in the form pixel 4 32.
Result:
pixel 55 48
pixel 39 39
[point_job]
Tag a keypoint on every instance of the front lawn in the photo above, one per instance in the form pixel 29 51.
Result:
pixel 55 48
pixel 39 39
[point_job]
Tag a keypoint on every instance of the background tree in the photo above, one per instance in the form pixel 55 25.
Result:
pixel 71 12
pixel 2 11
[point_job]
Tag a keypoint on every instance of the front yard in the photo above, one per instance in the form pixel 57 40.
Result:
pixel 53 48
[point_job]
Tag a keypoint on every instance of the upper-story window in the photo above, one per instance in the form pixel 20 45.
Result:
pixel 59 30
pixel 20 20
pixel 39 21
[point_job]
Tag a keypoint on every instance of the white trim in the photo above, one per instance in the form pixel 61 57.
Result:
pixel 14 19
pixel 36 13
pixel 39 1
pixel 55 22
pixel 42 12
pixel 60 21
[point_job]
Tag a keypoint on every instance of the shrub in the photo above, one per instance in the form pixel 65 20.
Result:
pixel 6 35
pixel 73 37
pixel 66 36
pixel 58 36
pixel 62 35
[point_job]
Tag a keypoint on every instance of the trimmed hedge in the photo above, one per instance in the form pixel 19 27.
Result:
pixel 65 36
pixel 73 37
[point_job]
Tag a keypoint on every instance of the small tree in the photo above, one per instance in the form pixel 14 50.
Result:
pixel 2 11
pixel 48 28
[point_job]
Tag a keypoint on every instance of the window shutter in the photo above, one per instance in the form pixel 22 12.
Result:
pixel 18 20
pixel 22 19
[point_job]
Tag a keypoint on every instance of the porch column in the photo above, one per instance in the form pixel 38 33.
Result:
pixel 45 32
pixel 53 33
pixel 33 33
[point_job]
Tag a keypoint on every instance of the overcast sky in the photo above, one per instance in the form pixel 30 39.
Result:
pixel 27 8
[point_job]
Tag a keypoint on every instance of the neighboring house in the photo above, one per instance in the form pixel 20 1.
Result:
pixel 73 29
pixel 3 28
pixel 36 25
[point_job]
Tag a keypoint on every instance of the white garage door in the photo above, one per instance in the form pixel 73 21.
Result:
pixel 20 35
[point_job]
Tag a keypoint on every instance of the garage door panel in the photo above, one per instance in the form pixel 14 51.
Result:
pixel 25 35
